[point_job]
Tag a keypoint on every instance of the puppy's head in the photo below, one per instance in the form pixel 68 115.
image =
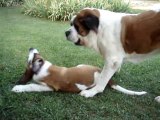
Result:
pixel 35 60
pixel 84 23
pixel 34 64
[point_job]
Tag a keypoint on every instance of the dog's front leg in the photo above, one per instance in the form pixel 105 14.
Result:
pixel 31 88
pixel 110 67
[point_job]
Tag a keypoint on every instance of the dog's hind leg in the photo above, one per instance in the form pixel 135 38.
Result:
pixel 111 66
pixel 31 88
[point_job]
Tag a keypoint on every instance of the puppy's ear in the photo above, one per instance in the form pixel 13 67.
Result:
pixel 91 22
pixel 37 64
pixel 26 77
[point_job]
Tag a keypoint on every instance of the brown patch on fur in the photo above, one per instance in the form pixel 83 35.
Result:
pixel 141 33
pixel 110 83
pixel 79 21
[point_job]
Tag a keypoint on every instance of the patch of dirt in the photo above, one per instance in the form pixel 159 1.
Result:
pixel 144 4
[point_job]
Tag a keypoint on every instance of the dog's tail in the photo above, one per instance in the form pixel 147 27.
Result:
pixel 124 90
pixel 113 86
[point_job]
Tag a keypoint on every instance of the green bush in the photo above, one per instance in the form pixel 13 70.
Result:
pixel 7 3
pixel 62 10
pixel 118 6
pixel 37 8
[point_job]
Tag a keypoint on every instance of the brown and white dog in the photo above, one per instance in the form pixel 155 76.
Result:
pixel 50 77
pixel 118 37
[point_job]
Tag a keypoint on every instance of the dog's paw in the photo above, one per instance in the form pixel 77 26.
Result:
pixel 157 99
pixel 92 92
pixel 89 93
pixel 18 88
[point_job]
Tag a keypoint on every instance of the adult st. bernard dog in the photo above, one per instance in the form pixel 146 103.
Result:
pixel 118 37
pixel 49 77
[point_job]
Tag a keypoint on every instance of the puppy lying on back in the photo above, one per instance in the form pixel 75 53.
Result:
pixel 50 77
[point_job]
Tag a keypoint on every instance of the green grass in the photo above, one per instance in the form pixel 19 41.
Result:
pixel 18 33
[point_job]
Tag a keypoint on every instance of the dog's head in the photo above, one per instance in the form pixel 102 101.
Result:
pixel 84 27
pixel 35 60
pixel 34 64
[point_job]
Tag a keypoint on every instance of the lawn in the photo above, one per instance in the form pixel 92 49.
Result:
pixel 18 33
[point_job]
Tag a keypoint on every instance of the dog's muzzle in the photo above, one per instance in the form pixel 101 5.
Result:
pixel 67 33
pixel 68 36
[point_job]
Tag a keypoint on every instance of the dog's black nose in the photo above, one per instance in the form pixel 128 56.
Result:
pixel 30 49
pixel 67 33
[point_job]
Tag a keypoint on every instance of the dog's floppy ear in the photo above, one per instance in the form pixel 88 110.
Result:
pixel 37 64
pixel 91 22
pixel 26 77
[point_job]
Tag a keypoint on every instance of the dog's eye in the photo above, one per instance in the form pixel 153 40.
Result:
pixel 40 60
pixel 76 27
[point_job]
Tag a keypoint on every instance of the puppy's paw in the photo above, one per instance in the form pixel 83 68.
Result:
pixel 88 93
pixel 157 99
pixel 92 92
pixel 18 88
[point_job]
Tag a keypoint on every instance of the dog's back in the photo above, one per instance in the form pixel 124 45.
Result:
pixel 141 33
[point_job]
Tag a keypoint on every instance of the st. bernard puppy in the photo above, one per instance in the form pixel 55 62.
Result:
pixel 118 37
pixel 49 77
